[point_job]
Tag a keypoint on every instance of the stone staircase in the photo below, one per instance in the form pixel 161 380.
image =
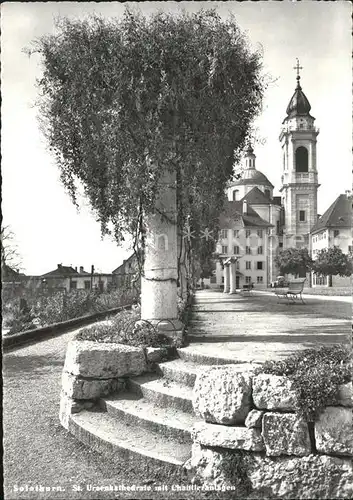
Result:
pixel 150 421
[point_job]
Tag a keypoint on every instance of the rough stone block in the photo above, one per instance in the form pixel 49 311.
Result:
pixel 309 477
pixel 222 395
pixel 285 434
pixel 213 468
pixel 273 392
pixel 254 419
pixel 236 438
pixel 103 360
pixel 334 431
pixel 68 406
pixel 79 388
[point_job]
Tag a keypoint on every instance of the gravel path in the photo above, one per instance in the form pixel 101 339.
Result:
pixel 257 328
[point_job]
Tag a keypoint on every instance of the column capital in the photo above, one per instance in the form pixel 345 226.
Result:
pixel 230 260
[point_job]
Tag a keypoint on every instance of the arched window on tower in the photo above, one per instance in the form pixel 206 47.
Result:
pixel 301 159
pixel 236 195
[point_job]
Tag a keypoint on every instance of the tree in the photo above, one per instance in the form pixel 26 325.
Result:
pixel 294 261
pixel 127 103
pixel 331 262
pixel 11 261
pixel 123 100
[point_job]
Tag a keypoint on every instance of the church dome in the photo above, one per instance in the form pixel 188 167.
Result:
pixel 252 177
pixel 299 104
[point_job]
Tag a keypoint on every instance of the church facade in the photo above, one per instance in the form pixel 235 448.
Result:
pixel 256 225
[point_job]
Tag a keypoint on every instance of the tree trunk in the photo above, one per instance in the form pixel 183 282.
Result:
pixel 159 283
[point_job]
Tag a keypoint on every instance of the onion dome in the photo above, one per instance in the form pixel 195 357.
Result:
pixel 299 104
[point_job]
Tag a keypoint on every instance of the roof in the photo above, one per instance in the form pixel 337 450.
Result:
pixel 233 211
pixel 299 104
pixel 250 221
pixel 339 214
pixel 61 271
pixel 252 176
pixel 7 273
pixel 121 268
pixel 256 196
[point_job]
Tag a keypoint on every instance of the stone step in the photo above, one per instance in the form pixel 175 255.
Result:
pixel 185 372
pixel 119 440
pixel 192 355
pixel 135 410
pixel 162 392
pixel 180 372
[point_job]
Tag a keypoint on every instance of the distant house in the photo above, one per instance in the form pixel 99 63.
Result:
pixel 124 275
pixel 68 278
pixel 9 275
pixel 333 228
pixel 60 278
pixel 12 282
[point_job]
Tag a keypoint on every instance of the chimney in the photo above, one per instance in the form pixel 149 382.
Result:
pixel 75 268
pixel 348 194
pixel 59 266
pixel 245 207
pixel 81 269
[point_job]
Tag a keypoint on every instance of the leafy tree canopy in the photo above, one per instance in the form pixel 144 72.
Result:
pixel 122 100
pixel 294 261
pixel 332 261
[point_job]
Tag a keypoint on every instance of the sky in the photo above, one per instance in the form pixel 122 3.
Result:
pixel 48 228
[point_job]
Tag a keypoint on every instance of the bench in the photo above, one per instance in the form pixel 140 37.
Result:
pixel 247 288
pixel 293 292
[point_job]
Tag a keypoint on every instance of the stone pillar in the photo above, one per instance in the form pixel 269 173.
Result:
pixel 159 283
pixel 226 278
pixel 233 273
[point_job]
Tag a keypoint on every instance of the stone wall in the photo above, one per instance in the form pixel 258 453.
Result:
pixel 93 370
pixel 251 419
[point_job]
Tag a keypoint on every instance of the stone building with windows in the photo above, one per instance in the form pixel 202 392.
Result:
pixel 245 237
pixel 286 221
pixel 333 228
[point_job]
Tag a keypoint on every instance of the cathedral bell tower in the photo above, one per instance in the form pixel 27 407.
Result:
pixel 299 179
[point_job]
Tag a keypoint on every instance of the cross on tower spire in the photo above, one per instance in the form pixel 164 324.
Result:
pixel 298 68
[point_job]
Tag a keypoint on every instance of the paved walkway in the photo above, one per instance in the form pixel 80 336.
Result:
pixel 257 328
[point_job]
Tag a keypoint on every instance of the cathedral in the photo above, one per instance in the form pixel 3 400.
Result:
pixel 255 225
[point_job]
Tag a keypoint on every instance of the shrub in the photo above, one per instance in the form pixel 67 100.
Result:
pixel 50 309
pixel 115 298
pixel 122 329
pixel 21 321
pixel 316 376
